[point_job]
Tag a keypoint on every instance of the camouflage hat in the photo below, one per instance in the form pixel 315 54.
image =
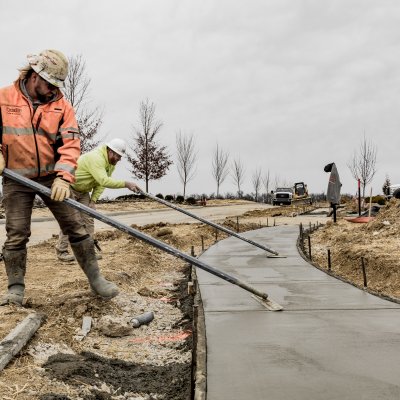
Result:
pixel 51 65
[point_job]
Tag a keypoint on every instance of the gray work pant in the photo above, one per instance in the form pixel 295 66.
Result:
pixel 86 220
pixel 18 203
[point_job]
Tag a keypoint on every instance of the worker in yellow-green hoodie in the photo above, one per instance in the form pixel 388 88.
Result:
pixel 92 176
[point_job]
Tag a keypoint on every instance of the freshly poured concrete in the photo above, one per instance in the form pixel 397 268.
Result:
pixel 332 341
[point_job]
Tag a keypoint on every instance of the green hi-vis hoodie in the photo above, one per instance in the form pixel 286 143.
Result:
pixel 94 172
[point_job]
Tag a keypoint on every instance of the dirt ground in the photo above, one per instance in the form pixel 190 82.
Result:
pixel 377 242
pixel 116 361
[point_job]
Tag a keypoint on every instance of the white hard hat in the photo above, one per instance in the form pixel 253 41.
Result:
pixel 117 145
pixel 51 65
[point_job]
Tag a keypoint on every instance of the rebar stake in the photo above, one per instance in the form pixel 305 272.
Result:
pixel 329 260
pixel 364 273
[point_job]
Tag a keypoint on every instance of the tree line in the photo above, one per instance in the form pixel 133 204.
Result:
pixel 149 160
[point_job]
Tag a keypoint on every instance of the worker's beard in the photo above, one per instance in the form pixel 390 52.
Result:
pixel 44 98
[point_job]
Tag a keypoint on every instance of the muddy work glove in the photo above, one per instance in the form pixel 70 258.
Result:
pixel 60 190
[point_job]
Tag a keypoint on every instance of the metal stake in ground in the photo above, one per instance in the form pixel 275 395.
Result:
pixel 148 239
pixel 364 273
pixel 219 227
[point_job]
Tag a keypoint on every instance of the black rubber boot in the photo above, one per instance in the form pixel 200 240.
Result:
pixel 86 257
pixel 64 256
pixel 97 249
pixel 15 262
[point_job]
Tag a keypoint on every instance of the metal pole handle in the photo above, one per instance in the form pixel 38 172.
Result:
pixel 133 232
pixel 214 225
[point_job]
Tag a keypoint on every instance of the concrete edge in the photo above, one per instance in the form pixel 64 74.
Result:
pixel 199 356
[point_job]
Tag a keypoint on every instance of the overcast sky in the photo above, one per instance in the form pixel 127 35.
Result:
pixel 286 86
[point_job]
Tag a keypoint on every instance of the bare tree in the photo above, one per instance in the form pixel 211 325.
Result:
pixel 186 154
pixel 281 182
pixel 363 164
pixel 219 166
pixel 266 180
pixel 77 92
pixel 277 181
pixel 256 179
pixel 149 161
pixel 237 171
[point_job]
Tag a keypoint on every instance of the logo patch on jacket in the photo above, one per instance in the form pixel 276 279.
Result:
pixel 14 110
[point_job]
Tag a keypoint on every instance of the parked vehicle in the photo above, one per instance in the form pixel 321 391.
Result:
pixel 394 191
pixel 300 192
pixel 282 196
pixel 288 195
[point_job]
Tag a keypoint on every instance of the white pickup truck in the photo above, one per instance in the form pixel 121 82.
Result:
pixel 282 196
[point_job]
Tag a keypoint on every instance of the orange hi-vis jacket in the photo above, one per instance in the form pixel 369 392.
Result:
pixel 42 142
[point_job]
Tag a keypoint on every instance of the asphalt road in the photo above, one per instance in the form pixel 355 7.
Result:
pixel 44 228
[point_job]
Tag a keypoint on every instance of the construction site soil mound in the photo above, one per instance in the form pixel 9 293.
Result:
pixel 376 242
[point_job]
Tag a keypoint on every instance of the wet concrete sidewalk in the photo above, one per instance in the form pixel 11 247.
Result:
pixel 332 341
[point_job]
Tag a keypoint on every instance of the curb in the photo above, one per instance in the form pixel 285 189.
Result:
pixel 199 359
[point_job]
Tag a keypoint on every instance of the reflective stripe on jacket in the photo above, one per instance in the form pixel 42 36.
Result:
pixel 94 172
pixel 38 143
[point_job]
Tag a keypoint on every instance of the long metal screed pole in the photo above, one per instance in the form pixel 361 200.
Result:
pixel 213 224
pixel 135 233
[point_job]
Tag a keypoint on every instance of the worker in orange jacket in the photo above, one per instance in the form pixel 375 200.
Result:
pixel 40 140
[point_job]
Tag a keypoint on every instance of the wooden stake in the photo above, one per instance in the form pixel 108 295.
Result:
pixel 19 337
